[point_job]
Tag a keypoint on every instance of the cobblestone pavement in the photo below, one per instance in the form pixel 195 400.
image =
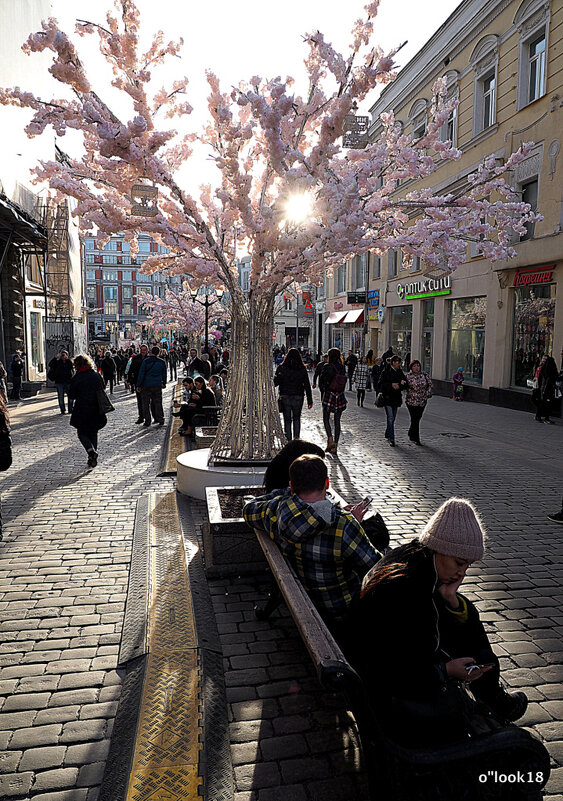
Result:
pixel 64 570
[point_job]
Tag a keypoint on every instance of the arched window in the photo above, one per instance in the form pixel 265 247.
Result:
pixel 449 128
pixel 418 118
pixel 532 21
pixel 484 61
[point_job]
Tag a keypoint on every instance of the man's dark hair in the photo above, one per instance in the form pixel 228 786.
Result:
pixel 308 473
pixel 155 350
pixel 188 380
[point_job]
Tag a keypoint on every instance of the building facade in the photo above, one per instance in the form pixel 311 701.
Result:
pixel 113 283
pixel 503 60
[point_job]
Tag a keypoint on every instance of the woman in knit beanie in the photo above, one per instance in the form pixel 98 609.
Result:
pixel 427 636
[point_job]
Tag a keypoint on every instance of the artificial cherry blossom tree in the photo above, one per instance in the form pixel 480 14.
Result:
pixel 177 311
pixel 286 193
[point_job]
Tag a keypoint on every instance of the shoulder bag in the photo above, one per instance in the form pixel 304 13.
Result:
pixel 104 404
pixel 338 383
pixel 5 451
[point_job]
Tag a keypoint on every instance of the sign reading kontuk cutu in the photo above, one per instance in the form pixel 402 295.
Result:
pixel 430 288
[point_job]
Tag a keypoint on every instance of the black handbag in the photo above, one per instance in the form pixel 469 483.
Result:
pixel 104 404
pixel 380 400
pixel 5 451
pixel 376 531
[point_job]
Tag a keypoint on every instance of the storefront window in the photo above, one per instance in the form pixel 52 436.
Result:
pixel 534 318
pixel 338 338
pixel 427 334
pixel 35 335
pixel 466 346
pixel 401 331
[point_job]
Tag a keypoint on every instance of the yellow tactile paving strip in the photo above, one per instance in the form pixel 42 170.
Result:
pixel 167 748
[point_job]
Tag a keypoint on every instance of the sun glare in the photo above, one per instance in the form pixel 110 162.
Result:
pixel 298 208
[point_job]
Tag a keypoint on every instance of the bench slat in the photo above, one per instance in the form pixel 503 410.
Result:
pixel 329 661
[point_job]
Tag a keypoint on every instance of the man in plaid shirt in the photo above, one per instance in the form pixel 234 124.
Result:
pixel 325 544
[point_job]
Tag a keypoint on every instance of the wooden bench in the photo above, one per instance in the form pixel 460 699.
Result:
pixel 397 773
pixel 207 416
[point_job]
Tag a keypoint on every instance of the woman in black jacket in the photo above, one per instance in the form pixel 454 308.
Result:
pixel 5 443
pixel 391 384
pixel 109 369
pixel 86 416
pixel 292 379
pixel 426 636
pixel 544 396
pixel 332 384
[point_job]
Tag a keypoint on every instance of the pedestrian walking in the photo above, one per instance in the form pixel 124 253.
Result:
pixel 16 369
pixel 332 384
pixel 361 378
pixel 60 372
pixel 319 368
pixel 109 370
pixel 5 444
pixel 86 416
pixel 370 360
pixel 173 363
pixel 458 378
pixel 544 395
pixel 293 381
pixel 350 364
pixel 391 385
pixel 133 374
pixel 419 390
pixel 150 383
pixel 376 371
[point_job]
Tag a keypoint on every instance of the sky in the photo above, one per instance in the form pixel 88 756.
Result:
pixel 240 39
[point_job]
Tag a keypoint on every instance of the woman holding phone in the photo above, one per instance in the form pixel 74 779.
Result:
pixel 429 637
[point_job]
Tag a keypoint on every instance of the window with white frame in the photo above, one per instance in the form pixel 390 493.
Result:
pixel 110 300
pixel 416 264
pixel 341 279
pixel 417 118
pixel 359 272
pixel 91 297
pixel 532 21
pixel 530 195
pixel 90 275
pixel 375 266
pixel 448 132
pixel 484 60
pixel 89 244
pixel 110 275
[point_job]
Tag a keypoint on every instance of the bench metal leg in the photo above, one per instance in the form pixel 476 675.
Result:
pixel 274 600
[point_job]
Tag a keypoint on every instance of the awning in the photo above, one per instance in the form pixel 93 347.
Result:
pixel 354 316
pixel 335 317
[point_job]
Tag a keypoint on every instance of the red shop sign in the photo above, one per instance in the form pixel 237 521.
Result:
pixel 539 275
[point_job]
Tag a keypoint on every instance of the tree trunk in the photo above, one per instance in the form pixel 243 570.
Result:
pixel 250 429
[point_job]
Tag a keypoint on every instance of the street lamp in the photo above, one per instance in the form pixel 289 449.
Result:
pixel 206 304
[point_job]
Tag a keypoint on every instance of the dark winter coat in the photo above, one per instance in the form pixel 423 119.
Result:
pixel 109 367
pixel 85 412
pixel 152 373
pixel 197 367
pixel 136 363
pixel 293 382
pixel 389 376
pixel 62 370
pixel 351 363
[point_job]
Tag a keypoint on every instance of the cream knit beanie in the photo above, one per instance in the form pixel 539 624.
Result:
pixel 455 530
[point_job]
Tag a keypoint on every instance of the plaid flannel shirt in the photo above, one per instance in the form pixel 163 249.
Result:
pixel 330 559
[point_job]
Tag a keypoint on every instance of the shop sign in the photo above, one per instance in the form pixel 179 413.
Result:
pixel 308 307
pixel 338 306
pixel 320 306
pixel 381 314
pixel 39 303
pixel 373 299
pixel 425 289
pixel 356 297
pixel 541 275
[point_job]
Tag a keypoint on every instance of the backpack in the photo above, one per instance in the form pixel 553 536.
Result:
pixel 338 383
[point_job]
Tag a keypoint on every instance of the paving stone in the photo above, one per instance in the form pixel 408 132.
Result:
pixel 56 779
pixel 242 753
pixel 86 695
pixel 91 774
pixel 63 795
pixel 57 714
pixel 283 747
pixel 9 761
pixel 292 793
pixel 15 785
pixel 264 774
pixel 26 701
pixel 43 758
pixel 36 736
pixel 87 753
pixel 305 769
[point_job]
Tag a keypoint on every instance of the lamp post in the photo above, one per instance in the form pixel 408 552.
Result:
pixel 206 304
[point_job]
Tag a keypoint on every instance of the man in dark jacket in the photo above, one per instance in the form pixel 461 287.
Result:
pixel 194 365
pixel 133 374
pixel 319 368
pixel 60 372
pixel 351 364
pixel 391 384
pixel 150 383
pixel 109 370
